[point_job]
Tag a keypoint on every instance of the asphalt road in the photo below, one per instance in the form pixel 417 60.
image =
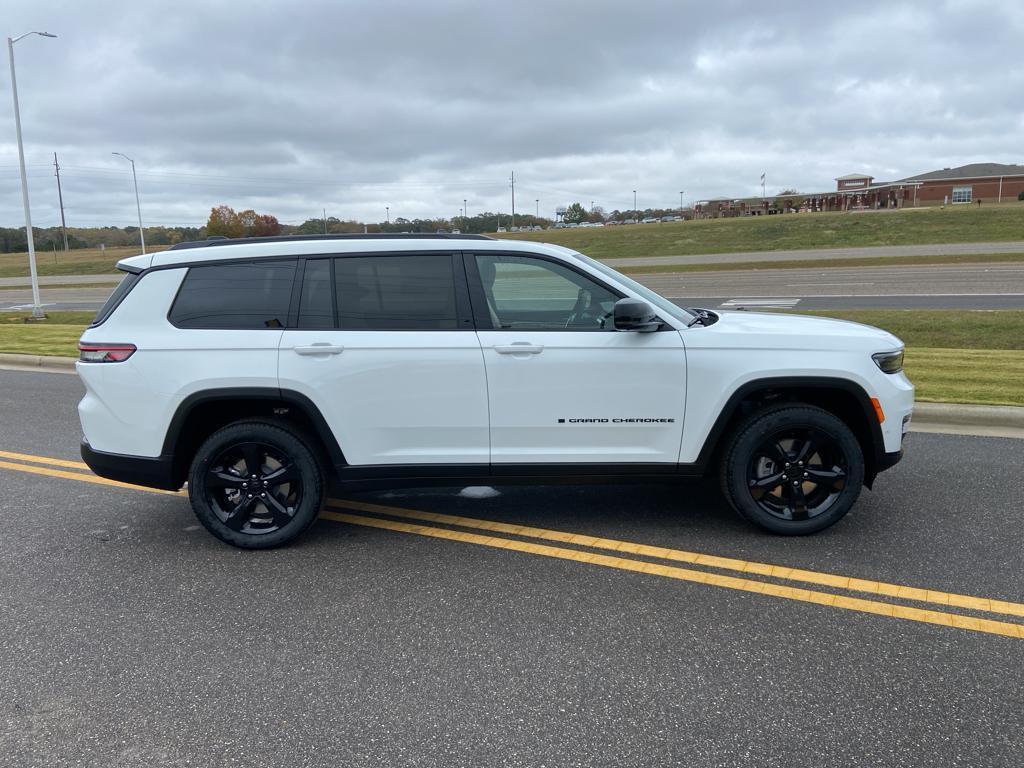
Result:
pixel 947 286
pixel 130 637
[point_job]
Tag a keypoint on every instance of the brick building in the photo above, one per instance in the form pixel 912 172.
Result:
pixel 991 182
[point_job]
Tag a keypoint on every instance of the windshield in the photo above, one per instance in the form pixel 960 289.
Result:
pixel 664 305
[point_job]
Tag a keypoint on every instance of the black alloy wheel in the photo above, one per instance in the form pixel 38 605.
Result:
pixel 792 469
pixel 253 488
pixel 256 484
pixel 797 474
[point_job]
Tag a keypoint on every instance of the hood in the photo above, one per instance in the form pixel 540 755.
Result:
pixel 764 330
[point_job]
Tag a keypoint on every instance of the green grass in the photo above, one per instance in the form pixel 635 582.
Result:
pixel 884 261
pixel 952 356
pixel 943 328
pixel 84 261
pixel 960 224
pixel 984 376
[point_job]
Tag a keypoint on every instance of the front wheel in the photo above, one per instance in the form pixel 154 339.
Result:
pixel 792 469
pixel 255 485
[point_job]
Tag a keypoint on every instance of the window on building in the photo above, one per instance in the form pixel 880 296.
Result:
pixel 250 295
pixel 392 293
pixel 962 194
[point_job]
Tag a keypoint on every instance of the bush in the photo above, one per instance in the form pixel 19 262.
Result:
pixel 1021 196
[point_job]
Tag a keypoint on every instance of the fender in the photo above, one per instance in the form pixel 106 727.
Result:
pixel 287 396
pixel 874 452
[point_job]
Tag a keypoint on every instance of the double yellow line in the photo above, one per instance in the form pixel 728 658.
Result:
pixel 770 580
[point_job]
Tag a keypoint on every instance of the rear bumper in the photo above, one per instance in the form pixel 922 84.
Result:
pixel 155 472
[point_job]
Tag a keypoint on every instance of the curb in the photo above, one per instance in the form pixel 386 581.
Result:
pixel 959 418
pixel 46 363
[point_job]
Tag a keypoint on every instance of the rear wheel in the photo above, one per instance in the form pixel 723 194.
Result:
pixel 255 485
pixel 792 469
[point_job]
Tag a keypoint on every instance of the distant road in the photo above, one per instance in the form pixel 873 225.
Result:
pixel 940 286
pixel 881 252
pixel 945 286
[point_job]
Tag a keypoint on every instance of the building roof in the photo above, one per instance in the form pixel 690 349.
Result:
pixel 971 171
pixel 854 177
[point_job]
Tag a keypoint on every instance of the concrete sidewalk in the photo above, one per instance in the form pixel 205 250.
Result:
pixel 19 282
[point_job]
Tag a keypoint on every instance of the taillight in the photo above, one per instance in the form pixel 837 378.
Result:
pixel 104 353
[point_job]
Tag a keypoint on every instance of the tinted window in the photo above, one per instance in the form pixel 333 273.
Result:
pixel 126 284
pixel 316 305
pixel 254 295
pixel 525 293
pixel 396 292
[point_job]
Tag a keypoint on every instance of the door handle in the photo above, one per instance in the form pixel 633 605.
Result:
pixel 320 348
pixel 519 348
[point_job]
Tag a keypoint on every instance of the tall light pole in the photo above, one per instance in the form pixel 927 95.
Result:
pixel 680 203
pixel 37 309
pixel 537 201
pixel 138 208
pixel 634 207
pixel 387 213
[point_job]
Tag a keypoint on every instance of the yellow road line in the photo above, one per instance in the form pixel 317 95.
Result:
pixel 700 577
pixel 695 558
pixel 42 460
pixel 81 477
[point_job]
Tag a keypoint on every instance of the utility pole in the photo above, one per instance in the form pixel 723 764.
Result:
pixel 325 221
pixel 512 226
pixel 60 198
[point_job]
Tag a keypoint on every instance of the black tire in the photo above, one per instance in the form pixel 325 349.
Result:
pixel 758 465
pixel 255 485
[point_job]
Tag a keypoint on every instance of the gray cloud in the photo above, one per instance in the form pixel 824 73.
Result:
pixel 293 107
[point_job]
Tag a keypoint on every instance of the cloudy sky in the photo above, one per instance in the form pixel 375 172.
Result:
pixel 293 107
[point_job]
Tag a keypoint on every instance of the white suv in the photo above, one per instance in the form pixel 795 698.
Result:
pixel 261 370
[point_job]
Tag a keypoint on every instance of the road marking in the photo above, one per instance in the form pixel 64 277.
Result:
pixel 639 566
pixel 818 285
pixel 82 477
pixel 940 618
pixel 780 302
pixel 852 584
pixel 31 458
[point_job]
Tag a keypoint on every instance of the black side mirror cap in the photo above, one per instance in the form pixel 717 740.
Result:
pixel 635 315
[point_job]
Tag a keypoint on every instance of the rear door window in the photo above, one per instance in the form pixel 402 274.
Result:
pixel 390 293
pixel 250 295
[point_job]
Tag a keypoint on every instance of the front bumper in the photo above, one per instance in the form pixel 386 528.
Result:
pixel 157 472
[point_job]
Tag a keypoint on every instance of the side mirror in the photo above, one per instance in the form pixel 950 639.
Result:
pixel 635 315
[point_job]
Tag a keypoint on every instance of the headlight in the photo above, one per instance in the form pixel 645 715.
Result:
pixel 889 362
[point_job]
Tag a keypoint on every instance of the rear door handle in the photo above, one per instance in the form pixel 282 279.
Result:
pixel 320 348
pixel 519 348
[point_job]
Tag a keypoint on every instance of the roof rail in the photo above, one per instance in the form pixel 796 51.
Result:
pixel 217 240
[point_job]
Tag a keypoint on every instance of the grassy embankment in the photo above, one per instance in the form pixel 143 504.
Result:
pixel 917 226
pixel 952 356
pixel 920 226
pixel 84 261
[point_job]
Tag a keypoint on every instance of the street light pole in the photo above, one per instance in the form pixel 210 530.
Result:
pixel 537 201
pixel 37 309
pixel 680 203
pixel 634 207
pixel 138 207
pixel 387 213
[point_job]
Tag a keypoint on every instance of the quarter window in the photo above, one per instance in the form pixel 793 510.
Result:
pixel 246 296
pixel 962 194
pixel 526 293
pixel 392 293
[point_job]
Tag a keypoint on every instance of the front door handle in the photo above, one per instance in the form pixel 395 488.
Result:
pixel 519 348
pixel 320 348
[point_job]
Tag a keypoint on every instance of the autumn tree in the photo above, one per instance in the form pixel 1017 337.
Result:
pixel 224 221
